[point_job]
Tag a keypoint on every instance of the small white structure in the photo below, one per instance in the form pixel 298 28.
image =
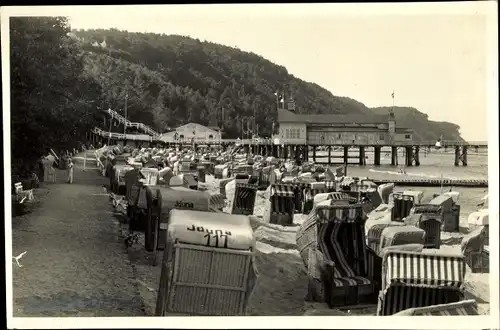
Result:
pixel 188 132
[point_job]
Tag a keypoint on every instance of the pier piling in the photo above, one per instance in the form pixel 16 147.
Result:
pixel 394 156
pixel 461 155
pixel 346 154
pixel 362 159
pixel 377 155
pixel 314 153
pixel 329 155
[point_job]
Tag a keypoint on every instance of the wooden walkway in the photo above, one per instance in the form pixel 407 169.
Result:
pixel 434 182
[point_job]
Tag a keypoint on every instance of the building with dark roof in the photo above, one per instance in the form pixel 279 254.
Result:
pixel 323 129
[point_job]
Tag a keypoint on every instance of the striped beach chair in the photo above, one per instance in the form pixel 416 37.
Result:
pixel 414 280
pixel 384 190
pixel 450 212
pixel 309 193
pixel 429 218
pixel 461 308
pixel 217 202
pixel 222 186
pixel 401 235
pixel 474 250
pixel 188 181
pixel 340 265
pixel 244 199
pixel 282 204
pixel 298 189
pixel 402 205
pixel 208 267
pixel 374 231
pixel 221 171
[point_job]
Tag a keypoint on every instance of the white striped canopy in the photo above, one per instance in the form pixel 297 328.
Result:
pixel 282 190
pixel 424 270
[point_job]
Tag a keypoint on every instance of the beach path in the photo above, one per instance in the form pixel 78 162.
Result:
pixel 75 262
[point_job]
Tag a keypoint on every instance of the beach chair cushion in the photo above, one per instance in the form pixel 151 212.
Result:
pixel 211 229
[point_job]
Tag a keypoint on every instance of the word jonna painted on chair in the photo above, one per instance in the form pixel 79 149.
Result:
pixel 210 231
pixel 185 205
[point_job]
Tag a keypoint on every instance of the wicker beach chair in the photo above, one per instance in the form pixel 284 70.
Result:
pixel 474 252
pixel 165 200
pixel 374 231
pixel 282 206
pixel 217 202
pixel 151 176
pixel 342 269
pixel 265 177
pixel 429 218
pixel 118 185
pixel 221 171
pixel 244 199
pixel 401 235
pixel 450 212
pixel 298 190
pixel 208 265
pixel 188 181
pixel 243 169
pixel 461 308
pixel 402 205
pixel 413 280
pixel 384 190
pixel 222 186
pixel 309 193
pixel 480 219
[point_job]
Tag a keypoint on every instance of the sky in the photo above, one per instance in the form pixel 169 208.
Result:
pixel 434 58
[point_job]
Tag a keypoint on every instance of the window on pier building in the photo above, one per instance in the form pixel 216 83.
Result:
pixel 407 136
pixel 382 137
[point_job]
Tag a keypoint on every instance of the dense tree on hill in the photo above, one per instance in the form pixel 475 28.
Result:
pixel 52 104
pixel 172 80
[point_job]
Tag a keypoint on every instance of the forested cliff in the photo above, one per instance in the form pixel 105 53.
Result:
pixel 171 80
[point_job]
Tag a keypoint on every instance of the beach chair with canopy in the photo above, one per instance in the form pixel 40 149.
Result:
pixel 461 308
pixel 403 202
pixel 450 212
pixel 265 176
pixel 188 181
pixel 208 266
pixel 309 192
pixel 151 176
pixel 166 199
pixel 374 231
pixel 243 169
pixel 244 199
pixel 221 171
pixel 385 190
pixel 217 201
pixel 401 235
pixel 480 219
pixel 282 206
pixel 342 270
pixel 222 185
pixel 429 218
pixel 413 280
pixel 118 184
pixel 298 190
pixel 474 250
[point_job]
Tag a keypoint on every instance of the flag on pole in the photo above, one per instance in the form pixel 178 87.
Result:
pixel 392 94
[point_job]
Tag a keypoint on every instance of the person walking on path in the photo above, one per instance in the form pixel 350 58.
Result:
pixel 70 170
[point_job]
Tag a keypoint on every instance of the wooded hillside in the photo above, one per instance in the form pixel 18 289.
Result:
pixel 172 80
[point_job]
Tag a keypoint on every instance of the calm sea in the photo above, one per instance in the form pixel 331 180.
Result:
pixel 433 165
